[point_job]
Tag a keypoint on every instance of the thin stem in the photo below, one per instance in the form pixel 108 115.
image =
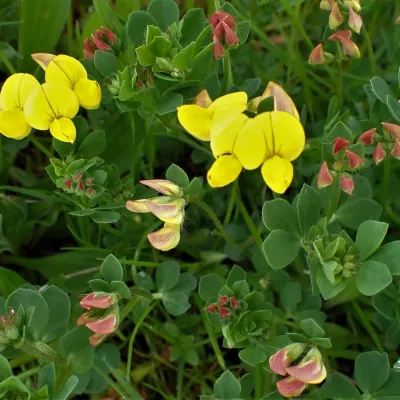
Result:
pixel 181 364
pixel 217 5
pixel 385 183
pixel 334 199
pixel 250 223
pixel 228 78
pixel 368 326
pixel 148 264
pixel 231 203
pixel 133 336
pixel 40 147
pixel 128 308
pixel 110 382
pixel 258 381
pixel 370 50
pixel 133 139
pixel 7 62
pixel 27 374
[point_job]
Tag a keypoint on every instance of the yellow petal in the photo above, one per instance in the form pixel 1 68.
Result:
pixel 277 173
pixel 65 70
pixel 13 124
pixel 137 206
pixel 170 212
pixel 224 171
pixel 166 238
pixel 289 137
pixel 223 117
pixel 63 129
pixel 229 100
pixel 196 120
pixel 264 121
pixel 250 147
pixel 282 101
pixel 28 84
pixel 16 89
pixel 43 59
pixel 223 139
pixel 88 93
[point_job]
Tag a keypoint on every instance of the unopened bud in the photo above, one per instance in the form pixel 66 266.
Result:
pixel 355 4
pixel 317 56
pixel 80 186
pixel 68 183
pixel 218 50
pixel 336 18
pixel 326 5
pixel 88 49
pixel 324 176
pixel 350 49
pixel 111 36
pixel 394 129
pixel 367 137
pixel 97 38
pixel 396 149
pixel 355 161
pixel 339 144
pixel 89 181
pixel 212 308
pixel 224 312
pixel 347 184
pixel 378 154
pixel 90 192
pixel 234 302
pixel 78 176
pixel 223 16
pixel 355 21
pixel 223 300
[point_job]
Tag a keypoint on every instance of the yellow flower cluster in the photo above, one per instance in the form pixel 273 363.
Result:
pixel 26 104
pixel 270 139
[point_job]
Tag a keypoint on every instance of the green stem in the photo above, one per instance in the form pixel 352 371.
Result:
pixel 211 334
pixel 368 326
pixel 181 365
pixel 370 50
pixel 334 199
pixel 258 382
pixel 147 264
pixel 231 203
pixel 40 147
pixel 250 223
pixel 110 382
pixel 217 5
pixel 128 308
pixel 134 333
pixel 133 139
pixel 7 62
pixel 228 78
pixel 27 374
pixel 385 183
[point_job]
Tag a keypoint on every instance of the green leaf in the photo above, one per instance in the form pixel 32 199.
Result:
pixel 203 62
pixel 100 285
pixel 340 130
pixel 195 188
pixel 209 286
pixel 13 385
pixel 389 254
pixel 193 23
pixel 81 213
pixel 236 274
pixel 68 388
pixel 325 343
pixel 47 377
pixel 29 298
pixel 281 248
pixel 279 214
pixel 183 60
pixel 167 275
pixel 43 22
pixel 372 277
pixel 309 208
pixel 165 12
pixel 391 388
pixel 159 46
pixel 242 31
pixel 105 217
pixel 241 289
pixel 328 290
pixel 227 387
pixel 93 145
pixel 177 175
pixel 62 148
pixel 339 387
pixel 370 235
pixel 111 269
pixel 122 289
pixel 371 371
pixel 59 306
pixel 353 213
pixel 137 26
pixel 145 56
pixel 176 303
pixel 106 63
pixel 75 347
pixel 186 283
pixel 228 7
pixel 381 89
pixel 9 281
pixel 311 328
pixel 253 356
pixel 5 369
pixel 168 103
pixel 290 296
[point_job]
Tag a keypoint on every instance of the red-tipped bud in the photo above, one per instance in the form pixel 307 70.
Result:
pixel 290 387
pixel 367 137
pixel 396 149
pixel 78 176
pixel 89 181
pixel 317 56
pixel 347 184
pixel 234 302
pixel 394 129
pixel 378 154
pixel 68 183
pixel 223 300
pixel 218 50
pixel 231 38
pixel 163 186
pixel 324 176
pixel 111 36
pixel 99 300
pixel 90 192
pixel 212 308
pixel 279 361
pixel 336 18
pixel 88 49
pixel 355 21
pixel 224 312
pixel 355 161
pixel 96 339
pixel 97 38
pixel 80 186
pixel 339 144
pixel 86 317
pixel 350 49
pixel 104 325
pixel 223 16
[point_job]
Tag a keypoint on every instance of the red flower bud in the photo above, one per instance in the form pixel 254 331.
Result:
pixel 378 154
pixel 104 325
pixel 68 183
pixel 78 176
pixel 224 312
pixel 230 37
pixel 91 192
pixel 355 21
pixel 111 36
pixel 223 300
pixel 234 302
pixel 86 317
pixel 97 37
pixel 89 181
pixel 290 387
pixel 221 15
pixel 88 48
pixel 80 186
pixel 317 56
pixel 324 176
pixel 98 300
pixel 394 129
pixel 347 184
pixel 339 144
pixel 212 308
pixel 218 50
pixel 367 137
pixel 396 149
pixel 355 160
pixel 336 18
pixel 350 49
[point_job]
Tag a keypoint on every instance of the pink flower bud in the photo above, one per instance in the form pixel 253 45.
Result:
pixel 336 18
pixel 347 184
pixel 166 238
pixel 90 192
pixel 396 149
pixel 290 387
pixel 326 5
pixel 224 312
pixel 104 325
pixel 223 300
pixel 97 37
pixel 394 129
pixel 349 47
pixel 111 36
pixel 80 186
pixel 355 161
pixel 164 187
pixel 234 302
pixel 140 84
pixel 86 317
pixel 96 339
pixel 78 176
pixel 221 15
pixel 99 300
pixel 317 56
pixel 230 36
pixel 378 154
pixel 218 50
pixel 68 183
pixel 324 176
pixel 212 308
pixel 339 144
pixel 310 369
pixel 88 49
pixel 279 361
pixel 355 21
pixel 367 137
pixel 89 181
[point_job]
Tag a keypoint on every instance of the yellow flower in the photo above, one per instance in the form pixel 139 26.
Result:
pixel 13 96
pixel 52 106
pixel 70 72
pixel 205 117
